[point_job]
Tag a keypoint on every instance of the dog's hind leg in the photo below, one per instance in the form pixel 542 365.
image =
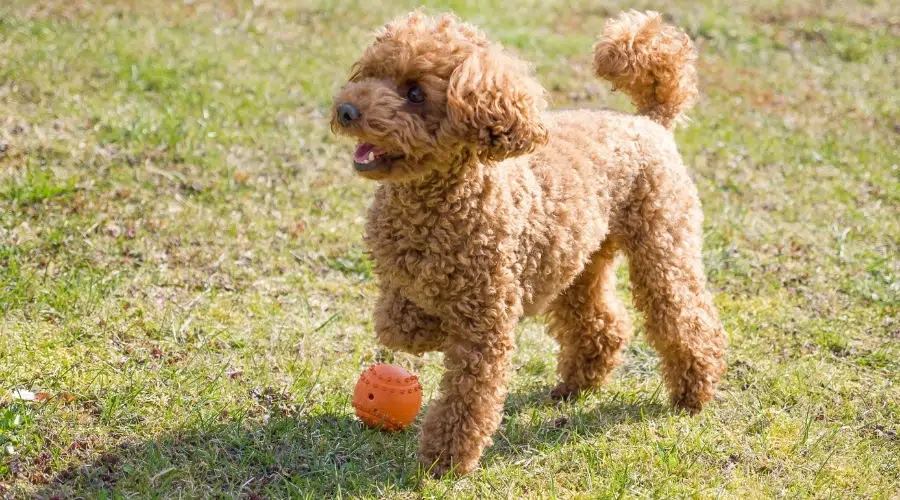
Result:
pixel 591 325
pixel 666 269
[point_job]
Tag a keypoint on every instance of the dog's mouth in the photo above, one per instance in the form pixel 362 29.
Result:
pixel 369 157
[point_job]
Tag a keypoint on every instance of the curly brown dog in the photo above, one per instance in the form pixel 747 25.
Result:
pixel 490 209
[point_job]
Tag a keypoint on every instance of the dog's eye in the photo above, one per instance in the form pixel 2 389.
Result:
pixel 415 95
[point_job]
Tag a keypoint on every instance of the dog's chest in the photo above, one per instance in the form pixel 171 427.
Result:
pixel 432 254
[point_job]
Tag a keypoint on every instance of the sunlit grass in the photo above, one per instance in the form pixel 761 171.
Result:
pixel 183 279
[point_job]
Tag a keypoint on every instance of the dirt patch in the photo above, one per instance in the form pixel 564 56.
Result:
pixel 875 17
pixel 70 10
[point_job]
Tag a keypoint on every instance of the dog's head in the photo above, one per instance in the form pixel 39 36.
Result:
pixel 430 93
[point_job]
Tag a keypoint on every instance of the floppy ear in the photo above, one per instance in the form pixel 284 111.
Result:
pixel 495 105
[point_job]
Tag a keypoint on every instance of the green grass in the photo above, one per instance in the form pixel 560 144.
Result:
pixel 182 268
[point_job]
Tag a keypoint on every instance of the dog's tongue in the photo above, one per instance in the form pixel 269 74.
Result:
pixel 366 152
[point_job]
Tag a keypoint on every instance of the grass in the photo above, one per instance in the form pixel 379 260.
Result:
pixel 183 282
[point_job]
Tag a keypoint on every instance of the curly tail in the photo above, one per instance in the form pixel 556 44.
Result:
pixel 651 61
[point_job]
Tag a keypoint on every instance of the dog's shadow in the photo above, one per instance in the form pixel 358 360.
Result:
pixel 528 420
pixel 319 456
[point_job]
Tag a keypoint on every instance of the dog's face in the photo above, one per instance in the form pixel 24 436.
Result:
pixel 430 94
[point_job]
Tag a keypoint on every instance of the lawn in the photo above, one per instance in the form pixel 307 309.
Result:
pixel 185 297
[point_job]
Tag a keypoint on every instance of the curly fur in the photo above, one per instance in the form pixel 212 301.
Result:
pixel 490 209
pixel 651 61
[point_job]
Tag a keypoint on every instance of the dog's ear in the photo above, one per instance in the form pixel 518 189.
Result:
pixel 494 105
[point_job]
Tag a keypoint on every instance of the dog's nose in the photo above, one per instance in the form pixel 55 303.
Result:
pixel 347 114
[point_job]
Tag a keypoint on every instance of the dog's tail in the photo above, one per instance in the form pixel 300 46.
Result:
pixel 651 61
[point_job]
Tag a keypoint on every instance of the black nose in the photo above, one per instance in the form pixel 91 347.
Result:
pixel 347 114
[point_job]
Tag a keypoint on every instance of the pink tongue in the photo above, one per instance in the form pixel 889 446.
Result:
pixel 362 152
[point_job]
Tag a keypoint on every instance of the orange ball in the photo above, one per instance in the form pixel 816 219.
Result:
pixel 387 397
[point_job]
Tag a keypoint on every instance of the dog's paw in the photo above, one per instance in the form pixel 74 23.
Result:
pixel 690 405
pixel 693 398
pixel 437 466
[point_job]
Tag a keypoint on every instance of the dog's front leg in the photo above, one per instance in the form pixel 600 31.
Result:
pixel 460 424
pixel 404 326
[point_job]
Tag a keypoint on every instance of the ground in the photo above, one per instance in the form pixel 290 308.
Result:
pixel 185 297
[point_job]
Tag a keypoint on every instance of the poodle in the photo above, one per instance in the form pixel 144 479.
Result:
pixel 489 209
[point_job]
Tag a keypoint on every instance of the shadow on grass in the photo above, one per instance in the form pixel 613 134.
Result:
pixel 320 456
pixel 528 427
